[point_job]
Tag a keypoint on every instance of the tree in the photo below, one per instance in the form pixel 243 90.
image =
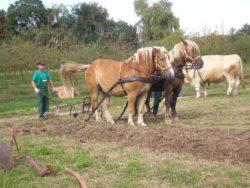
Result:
pixel 157 20
pixel 61 17
pixel 119 31
pixel 90 21
pixel 2 24
pixel 24 14
pixel 244 30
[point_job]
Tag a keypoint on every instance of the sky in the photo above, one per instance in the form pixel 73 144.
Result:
pixel 201 16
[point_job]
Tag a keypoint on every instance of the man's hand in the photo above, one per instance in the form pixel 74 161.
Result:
pixel 54 90
pixel 37 90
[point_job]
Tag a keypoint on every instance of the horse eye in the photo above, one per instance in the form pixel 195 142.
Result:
pixel 162 59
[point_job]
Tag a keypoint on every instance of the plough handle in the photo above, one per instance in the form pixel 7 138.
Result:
pixel 42 171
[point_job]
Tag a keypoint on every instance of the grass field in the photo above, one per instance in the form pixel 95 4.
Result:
pixel 17 96
pixel 107 165
pixel 115 162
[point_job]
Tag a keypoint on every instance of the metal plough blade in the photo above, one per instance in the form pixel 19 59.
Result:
pixel 6 159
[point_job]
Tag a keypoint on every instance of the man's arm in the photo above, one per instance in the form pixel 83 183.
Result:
pixel 33 84
pixel 50 81
pixel 51 84
pixel 35 87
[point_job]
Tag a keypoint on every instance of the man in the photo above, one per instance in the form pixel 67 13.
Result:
pixel 40 82
pixel 157 100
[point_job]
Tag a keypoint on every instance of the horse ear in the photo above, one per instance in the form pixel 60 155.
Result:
pixel 185 42
pixel 155 54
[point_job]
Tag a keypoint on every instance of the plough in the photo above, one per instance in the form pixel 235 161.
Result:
pixel 7 159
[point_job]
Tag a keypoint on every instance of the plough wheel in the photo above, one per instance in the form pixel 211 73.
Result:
pixel 82 110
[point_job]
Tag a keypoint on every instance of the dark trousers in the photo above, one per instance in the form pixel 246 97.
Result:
pixel 157 100
pixel 43 104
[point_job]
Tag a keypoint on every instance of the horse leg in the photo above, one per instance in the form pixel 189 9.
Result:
pixel 197 86
pixel 141 101
pixel 205 92
pixel 231 84
pixel 107 113
pixel 236 86
pixel 203 88
pixel 94 102
pixel 94 90
pixel 173 101
pixel 131 108
pixel 147 103
pixel 168 94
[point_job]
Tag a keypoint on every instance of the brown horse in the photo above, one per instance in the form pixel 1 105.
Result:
pixel 102 74
pixel 184 52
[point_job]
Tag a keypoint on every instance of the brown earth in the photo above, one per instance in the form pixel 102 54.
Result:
pixel 208 143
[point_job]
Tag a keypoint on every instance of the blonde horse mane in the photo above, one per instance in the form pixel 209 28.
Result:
pixel 144 53
pixel 186 46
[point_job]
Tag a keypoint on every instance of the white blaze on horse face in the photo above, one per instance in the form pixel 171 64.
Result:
pixel 170 71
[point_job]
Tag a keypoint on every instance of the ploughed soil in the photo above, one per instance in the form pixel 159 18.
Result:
pixel 214 144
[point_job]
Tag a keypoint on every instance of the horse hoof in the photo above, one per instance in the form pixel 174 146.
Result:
pixel 175 120
pixel 111 122
pixel 143 124
pixel 131 124
pixel 168 121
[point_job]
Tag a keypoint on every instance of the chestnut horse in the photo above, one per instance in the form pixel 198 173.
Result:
pixel 102 74
pixel 182 53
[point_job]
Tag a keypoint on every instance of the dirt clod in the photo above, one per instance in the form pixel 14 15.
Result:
pixel 207 143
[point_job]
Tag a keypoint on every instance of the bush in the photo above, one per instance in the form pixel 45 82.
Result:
pixel 18 55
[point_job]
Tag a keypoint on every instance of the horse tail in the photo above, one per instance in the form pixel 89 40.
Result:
pixel 67 70
pixel 241 74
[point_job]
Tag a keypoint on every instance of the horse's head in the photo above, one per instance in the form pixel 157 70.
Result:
pixel 185 53
pixel 161 61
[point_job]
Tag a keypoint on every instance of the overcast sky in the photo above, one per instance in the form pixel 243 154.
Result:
pixel 194 15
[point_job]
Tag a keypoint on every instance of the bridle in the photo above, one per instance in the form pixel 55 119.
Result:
pixel 189 62
pixel 158 67
pixel 193 64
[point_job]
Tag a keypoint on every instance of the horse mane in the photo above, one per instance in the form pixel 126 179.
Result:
pixel 142 54
pixel 190 46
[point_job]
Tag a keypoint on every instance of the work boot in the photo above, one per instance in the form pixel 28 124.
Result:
pixel 154 118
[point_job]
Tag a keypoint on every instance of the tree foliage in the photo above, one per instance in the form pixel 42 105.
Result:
pixel 245 29
pixel 157 20
pixel 24 14
pixel 85 32
pixel 90 21
pixel 57 26
pixel 2 24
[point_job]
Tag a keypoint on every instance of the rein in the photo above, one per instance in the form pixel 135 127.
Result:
pixel 121 81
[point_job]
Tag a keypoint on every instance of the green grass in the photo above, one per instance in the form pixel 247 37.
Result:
pixel 17 96
pixel 106 165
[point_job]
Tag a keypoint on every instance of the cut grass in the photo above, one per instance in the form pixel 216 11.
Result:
pixel 106 165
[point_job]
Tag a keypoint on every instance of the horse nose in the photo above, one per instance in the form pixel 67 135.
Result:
pixel 169 73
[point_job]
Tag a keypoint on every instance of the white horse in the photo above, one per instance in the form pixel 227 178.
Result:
pixel 216 69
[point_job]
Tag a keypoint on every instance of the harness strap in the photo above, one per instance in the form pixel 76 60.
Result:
pixel 135 79
pixel 199 75
pixel 123 89
pixel 120 81
pixel 121 84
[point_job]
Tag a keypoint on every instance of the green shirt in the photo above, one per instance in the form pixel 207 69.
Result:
pixel 41 79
